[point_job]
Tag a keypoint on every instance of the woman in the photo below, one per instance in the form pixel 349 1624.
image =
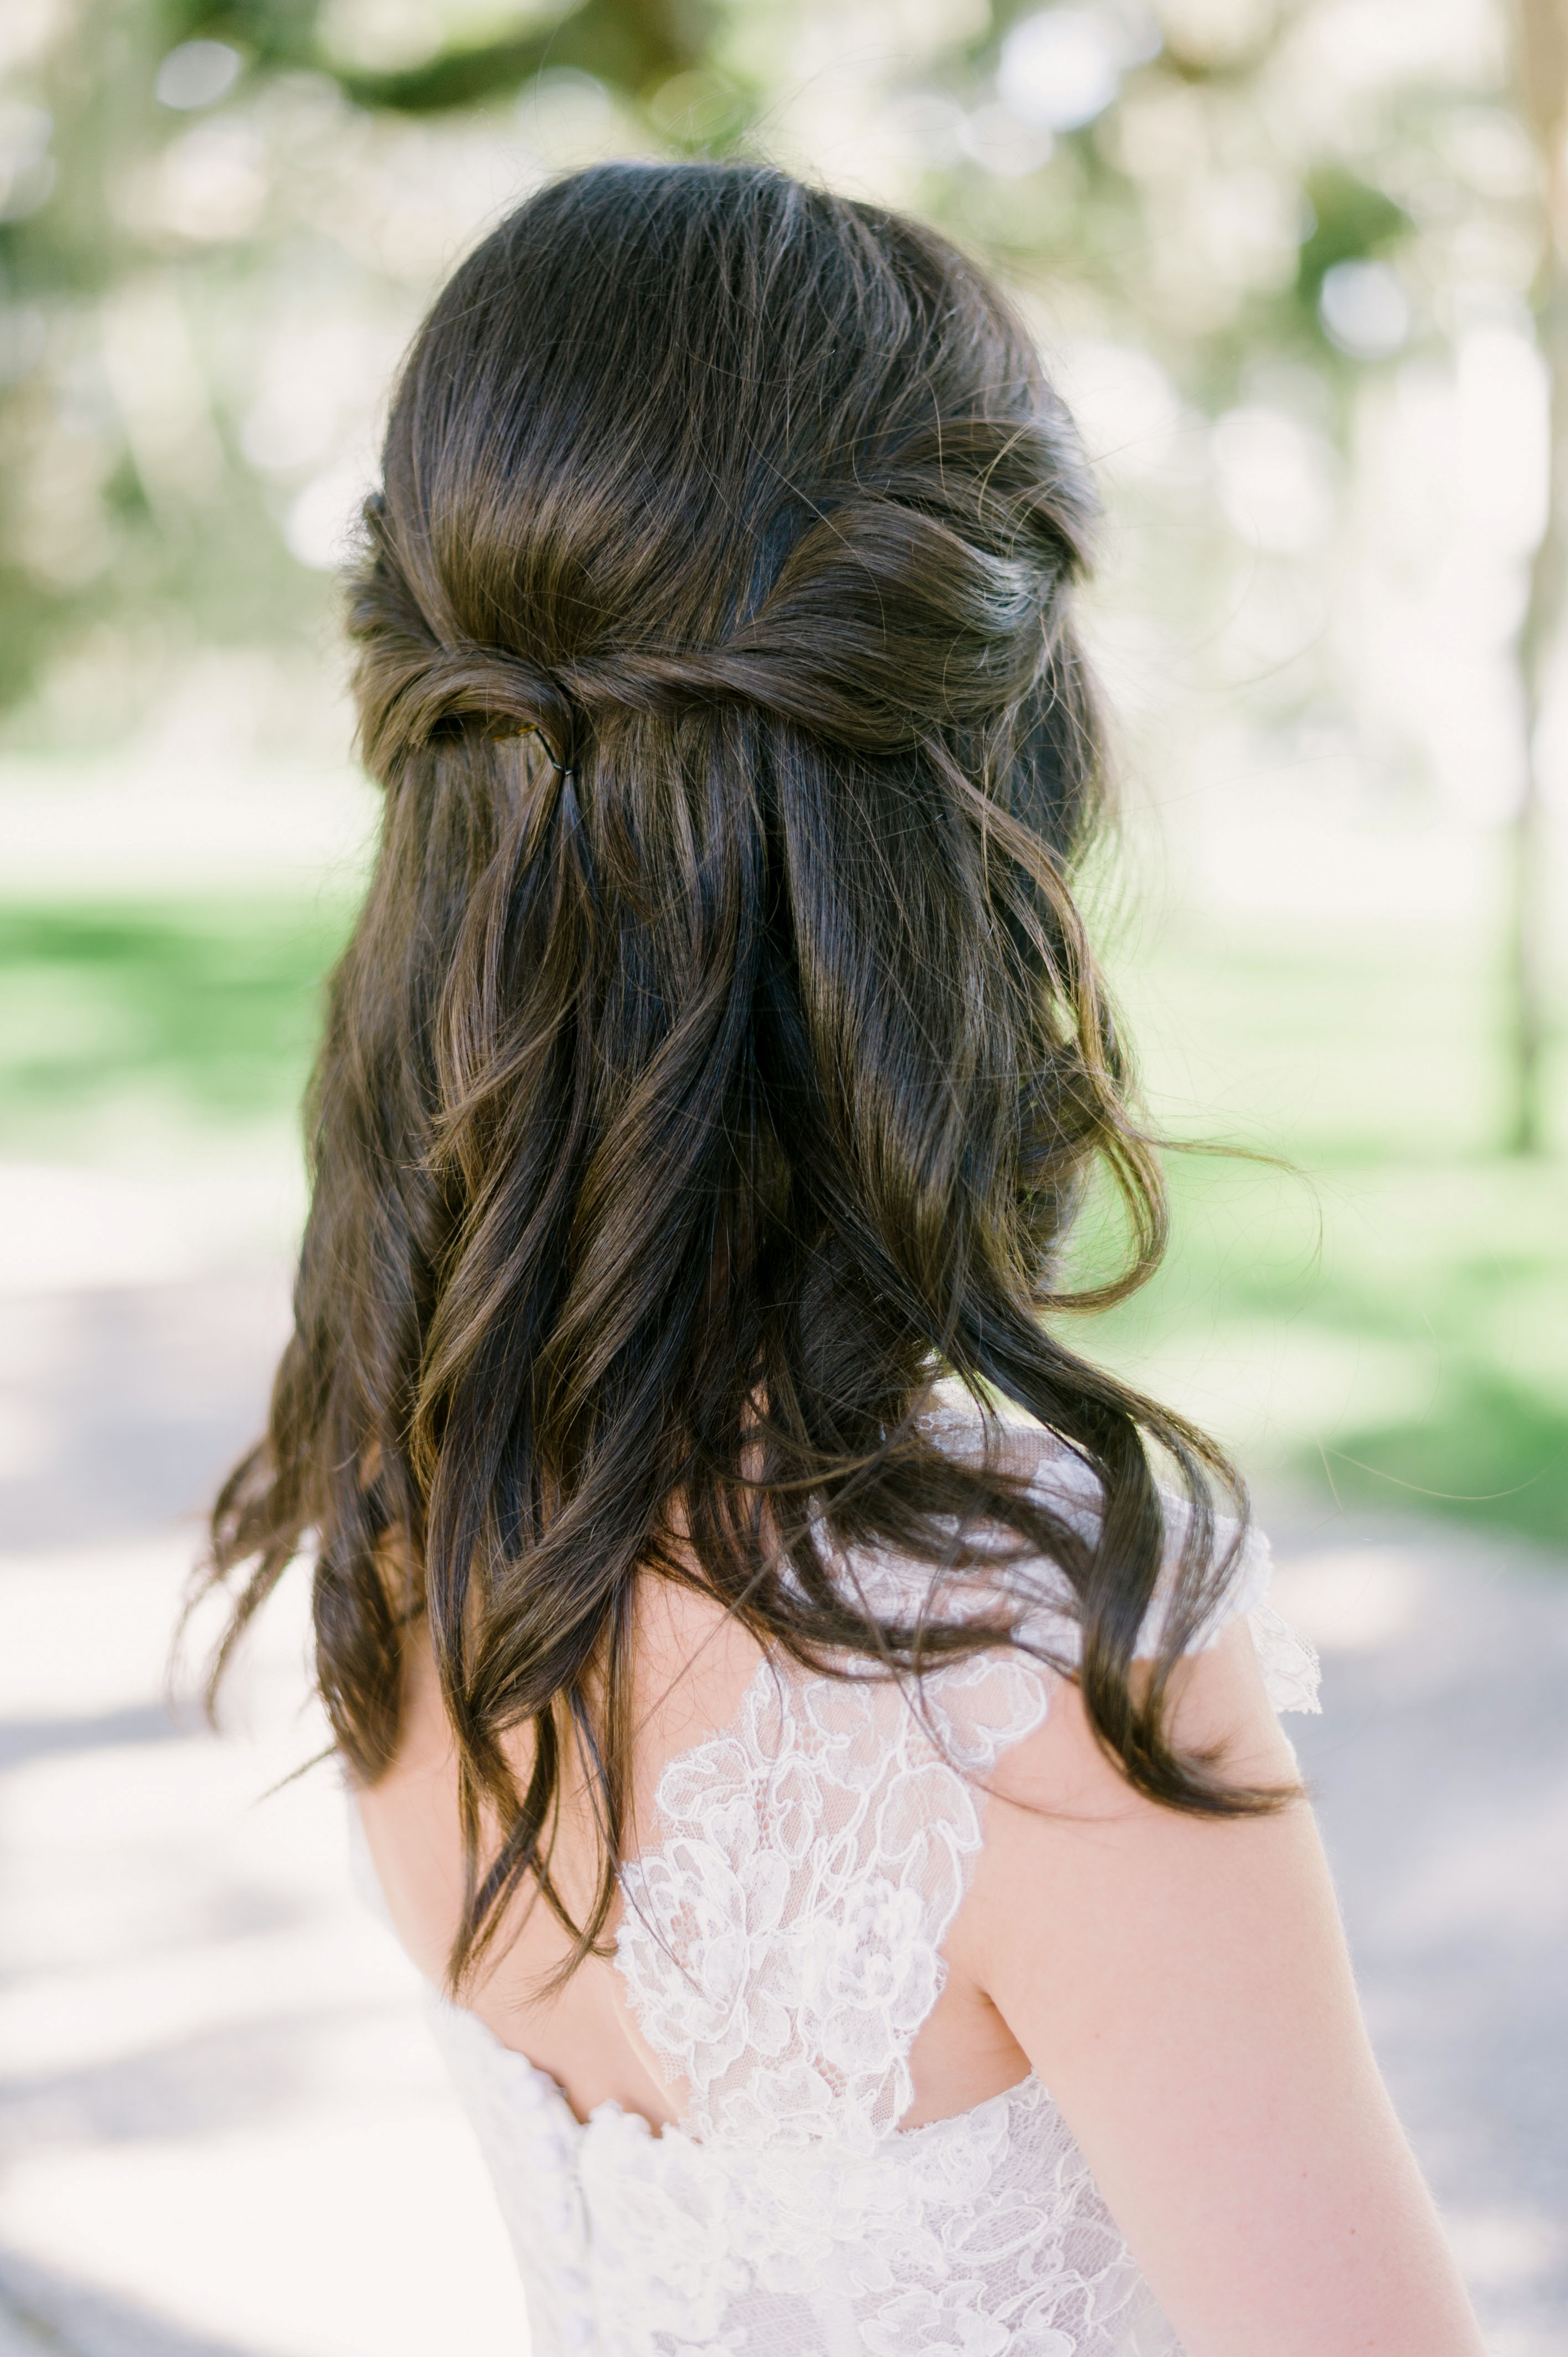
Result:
pixel 791 1767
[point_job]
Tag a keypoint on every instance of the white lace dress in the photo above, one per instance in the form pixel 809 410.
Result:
pixel 781 1945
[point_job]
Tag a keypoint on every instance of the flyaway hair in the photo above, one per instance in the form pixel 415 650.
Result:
pixel 718 1058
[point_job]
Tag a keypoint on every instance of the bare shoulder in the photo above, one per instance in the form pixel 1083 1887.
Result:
pixel 1181 1984
pixel 1084 1882
pixel 1219 1710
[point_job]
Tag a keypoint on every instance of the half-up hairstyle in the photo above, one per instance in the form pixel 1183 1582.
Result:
pixel 718 1058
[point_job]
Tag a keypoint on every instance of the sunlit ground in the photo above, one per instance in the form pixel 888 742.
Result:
pixel 1378 1318
pixel 225 2129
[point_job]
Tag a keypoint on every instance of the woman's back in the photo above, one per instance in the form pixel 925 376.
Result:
pixel 786 2117
pixel 722 1727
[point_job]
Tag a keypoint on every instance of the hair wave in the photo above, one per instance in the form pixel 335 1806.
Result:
pixel 718 1057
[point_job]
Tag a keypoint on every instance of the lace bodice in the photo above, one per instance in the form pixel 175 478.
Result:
pixel 782 1940
pixel 780 1946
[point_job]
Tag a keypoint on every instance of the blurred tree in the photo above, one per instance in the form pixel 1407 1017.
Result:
pixel 455 56
pixel 1541 85
pixel 145 159
pixel 207 201
pixel 142 142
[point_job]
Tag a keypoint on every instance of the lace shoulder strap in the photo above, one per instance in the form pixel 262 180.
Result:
pixel 1289 1664
pixel 781 1941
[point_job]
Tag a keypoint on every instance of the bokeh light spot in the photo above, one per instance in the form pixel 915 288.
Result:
pixel 198 73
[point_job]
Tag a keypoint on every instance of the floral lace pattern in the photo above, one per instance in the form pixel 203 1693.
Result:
pixel 781 1946
pixel 782 1941
pixel 979 2236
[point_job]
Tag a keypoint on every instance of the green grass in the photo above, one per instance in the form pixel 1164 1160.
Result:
pixel 1387 1319
pixel 1388 1332
pixel 206 1014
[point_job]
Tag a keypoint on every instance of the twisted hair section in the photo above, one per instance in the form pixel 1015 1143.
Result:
pixel 718 1058
pixel 925 601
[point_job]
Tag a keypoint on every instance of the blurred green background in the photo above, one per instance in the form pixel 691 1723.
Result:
pixel 1298 265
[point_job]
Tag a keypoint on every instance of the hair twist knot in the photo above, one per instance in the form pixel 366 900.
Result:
pixel 886 621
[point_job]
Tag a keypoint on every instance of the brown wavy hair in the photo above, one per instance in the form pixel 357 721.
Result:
pixel 718 1058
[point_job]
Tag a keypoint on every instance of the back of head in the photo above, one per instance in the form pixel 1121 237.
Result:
pixel 687 437
pixel 718 1058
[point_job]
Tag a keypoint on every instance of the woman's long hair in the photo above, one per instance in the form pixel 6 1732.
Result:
pixel 718 1058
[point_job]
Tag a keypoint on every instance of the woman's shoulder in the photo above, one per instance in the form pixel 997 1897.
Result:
pixel 714 1702
pixel 1051 1629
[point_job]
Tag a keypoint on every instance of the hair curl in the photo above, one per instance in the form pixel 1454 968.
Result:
pixel 718 1058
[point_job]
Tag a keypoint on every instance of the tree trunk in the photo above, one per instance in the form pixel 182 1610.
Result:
pixel 1542 83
